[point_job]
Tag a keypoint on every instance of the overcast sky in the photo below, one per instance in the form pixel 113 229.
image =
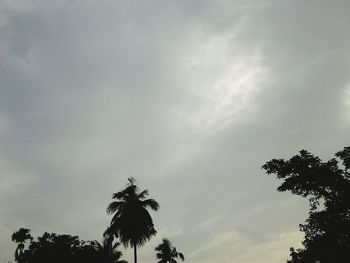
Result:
pixel 189 97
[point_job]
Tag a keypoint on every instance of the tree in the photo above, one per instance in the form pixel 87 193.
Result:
pixel 167 253
pixel 20 237
pixel 54 248
pixel 327 186
pixel 109 250
pixel 51 247
pixel 131 222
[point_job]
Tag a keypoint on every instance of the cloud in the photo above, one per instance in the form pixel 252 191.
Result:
pixel 190 99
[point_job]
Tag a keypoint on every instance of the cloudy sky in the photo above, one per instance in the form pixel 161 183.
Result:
pixel 189 97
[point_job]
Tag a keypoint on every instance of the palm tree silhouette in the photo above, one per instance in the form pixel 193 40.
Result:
pixel 20 237
pixel 131 222
pixel 167 253
pixel 109 250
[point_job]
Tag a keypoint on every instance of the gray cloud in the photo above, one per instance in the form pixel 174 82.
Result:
pixel 190 98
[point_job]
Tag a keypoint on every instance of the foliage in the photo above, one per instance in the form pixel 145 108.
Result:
pixel 20 236
pixel 131 222
pixel 54 248
pixel 109 250
pixel 327 186
pixel 166 253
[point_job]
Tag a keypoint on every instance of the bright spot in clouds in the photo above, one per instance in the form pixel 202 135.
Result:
pixel 189 98
pixel 224 81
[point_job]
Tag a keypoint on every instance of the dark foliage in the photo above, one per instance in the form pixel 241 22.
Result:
pixel 131 222
pixel 20 237
pixel 327 186
pixel 66 248
pixel 166 253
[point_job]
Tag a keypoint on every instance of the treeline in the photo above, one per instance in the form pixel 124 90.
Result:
pixel 131 225
pixel 327 229
pixel 64 248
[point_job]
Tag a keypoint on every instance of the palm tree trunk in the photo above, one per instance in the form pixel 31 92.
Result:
pixel 135 254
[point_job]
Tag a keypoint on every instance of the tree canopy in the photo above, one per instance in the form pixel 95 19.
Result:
pixel 131 222
pixel 166 253
pixel 327 186
pixel 54 248
pixel 20 237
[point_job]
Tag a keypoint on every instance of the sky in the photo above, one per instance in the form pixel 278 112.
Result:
pixel 189 97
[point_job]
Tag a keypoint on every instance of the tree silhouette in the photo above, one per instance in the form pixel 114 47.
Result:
pixel 109 250
pixel 20 237
pixel 54 248
pixel 131 222
pixel 167 253
pixel 327 185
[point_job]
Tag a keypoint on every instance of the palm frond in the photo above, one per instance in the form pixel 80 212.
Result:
pixel 173 252
pixel 114 206
pixel 143 194
pixel 108 232
pixel 181 256
pixel 118 195
pixel 151 203
pixel 116 245
pixel 132 180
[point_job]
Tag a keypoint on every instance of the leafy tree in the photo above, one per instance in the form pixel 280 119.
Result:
pixel 54 248
pixel 327 186
pixel 20 237
pixel 131 222
pixel 167 253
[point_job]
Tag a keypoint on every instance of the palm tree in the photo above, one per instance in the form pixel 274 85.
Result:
pixel 167 253
pixel 109 250
pixel 131 222
pixel 20 237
